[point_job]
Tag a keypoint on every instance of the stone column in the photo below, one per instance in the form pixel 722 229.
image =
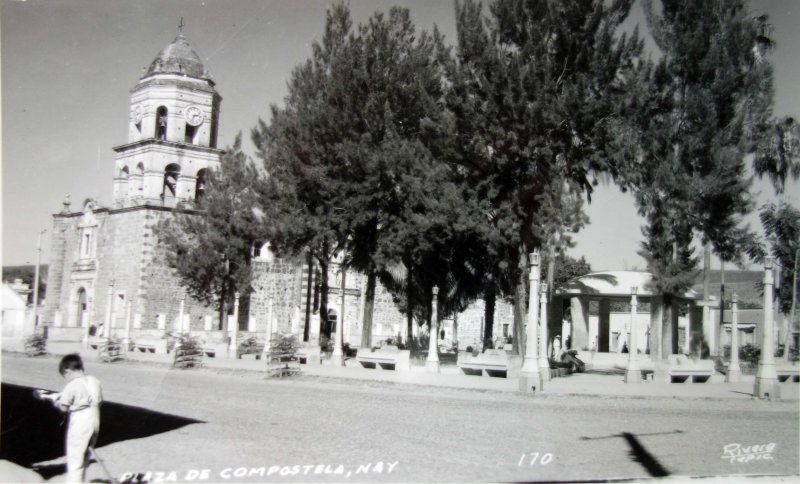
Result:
pixel 234 345
pixel 432 363
pixel 633 373
pixel 579 312
pixel 766 378
pixel 270 325
pixel 109 309
pixel 530 378
pixel 126 341
pixel 455 330
pixel 181 329
pixel 544 355
pixel 734 370
pixel 337 357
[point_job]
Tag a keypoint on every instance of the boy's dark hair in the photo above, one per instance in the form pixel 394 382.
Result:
pixel 70 362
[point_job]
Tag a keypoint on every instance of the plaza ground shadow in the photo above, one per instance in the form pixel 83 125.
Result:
pixel 638 453
pixel 33 430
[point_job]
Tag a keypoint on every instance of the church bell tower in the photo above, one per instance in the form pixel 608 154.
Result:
pixel 172 132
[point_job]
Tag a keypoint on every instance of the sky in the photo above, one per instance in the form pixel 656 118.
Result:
pixel 68 66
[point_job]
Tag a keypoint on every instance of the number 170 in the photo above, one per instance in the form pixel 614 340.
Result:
pixel 534 456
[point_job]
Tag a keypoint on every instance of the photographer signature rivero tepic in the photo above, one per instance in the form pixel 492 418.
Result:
pixel 748 453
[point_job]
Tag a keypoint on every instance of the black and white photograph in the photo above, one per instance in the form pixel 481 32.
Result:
pixel 358 241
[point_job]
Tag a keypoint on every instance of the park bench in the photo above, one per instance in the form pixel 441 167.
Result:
pixel 683 369
pixel 489 363
pixel 150 344
pixel 788 373
pixel 213 343
pixel 95 342
pixel 389 357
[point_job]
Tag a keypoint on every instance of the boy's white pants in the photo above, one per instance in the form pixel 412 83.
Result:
pixel 83 428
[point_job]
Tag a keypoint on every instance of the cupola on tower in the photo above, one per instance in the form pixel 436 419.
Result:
pixel 172 133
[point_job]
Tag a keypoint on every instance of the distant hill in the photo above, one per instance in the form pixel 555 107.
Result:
pixel 743 283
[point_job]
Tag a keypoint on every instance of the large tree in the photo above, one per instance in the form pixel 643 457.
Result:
pixel 209 243
pixel 693 116
pixel 781 223
pixel 533 91
pixel 356 157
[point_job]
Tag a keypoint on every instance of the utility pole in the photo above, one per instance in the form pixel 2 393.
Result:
pixel 36 280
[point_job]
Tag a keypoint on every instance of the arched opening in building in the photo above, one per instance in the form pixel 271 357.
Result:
pixel 190 133
pixel 171 174
pixel 81 308
pixel 161 123
pixel 125 176
pixel 200 185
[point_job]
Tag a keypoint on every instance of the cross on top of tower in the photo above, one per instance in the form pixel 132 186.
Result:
pixel 180 26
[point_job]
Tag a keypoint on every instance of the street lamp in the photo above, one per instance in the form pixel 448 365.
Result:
pixel 633 373
pixel 529 374
pixel 767 379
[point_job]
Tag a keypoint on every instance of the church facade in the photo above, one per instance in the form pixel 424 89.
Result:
pixel 108 268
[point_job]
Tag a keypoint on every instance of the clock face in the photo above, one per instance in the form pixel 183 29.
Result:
pixel 193 116
pixel 138 113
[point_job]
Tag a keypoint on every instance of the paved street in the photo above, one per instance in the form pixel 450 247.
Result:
pixel 176 424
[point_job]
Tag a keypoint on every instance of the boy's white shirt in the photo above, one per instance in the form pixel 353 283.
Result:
pixel 81 392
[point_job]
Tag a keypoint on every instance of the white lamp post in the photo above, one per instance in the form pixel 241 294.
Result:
pixel 234 346
pixel 529 374
pixel 633 373
pixel 337 357
pixel 544 361
pixel 766 378
pixel 734 370
pixel 432 363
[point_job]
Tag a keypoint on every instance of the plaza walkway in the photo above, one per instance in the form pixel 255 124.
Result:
pixel 601 384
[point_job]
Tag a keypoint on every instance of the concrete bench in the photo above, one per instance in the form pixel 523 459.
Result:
pixel 386 358
pixel 788 373
pixel 308 354
pixel 150 344
pixel 489 363
pixel 683 369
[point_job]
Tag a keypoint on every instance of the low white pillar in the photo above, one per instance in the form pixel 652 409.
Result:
pixel 766 377
pixel 734 370
pixel 126 341
pixel 161 321
pixel 633 373
pixel 181 328
pixel 109 316
pixel 270 322
pixel 235 333
pixel 530 378
pixel 432 363
pixel 57 322
pixel 137 321
pixel 544 360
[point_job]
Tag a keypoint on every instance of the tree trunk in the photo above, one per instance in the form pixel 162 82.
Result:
pixel 520 290
pixel 309 294
pixel 489 299
pixel 669 339
pixel 369 305
pixel 325 328
pixel 409 303
pixel 223 321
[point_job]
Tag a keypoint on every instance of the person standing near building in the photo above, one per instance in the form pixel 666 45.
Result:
pixel 81 399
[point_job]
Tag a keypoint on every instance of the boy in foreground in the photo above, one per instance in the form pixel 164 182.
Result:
pixel 81 398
